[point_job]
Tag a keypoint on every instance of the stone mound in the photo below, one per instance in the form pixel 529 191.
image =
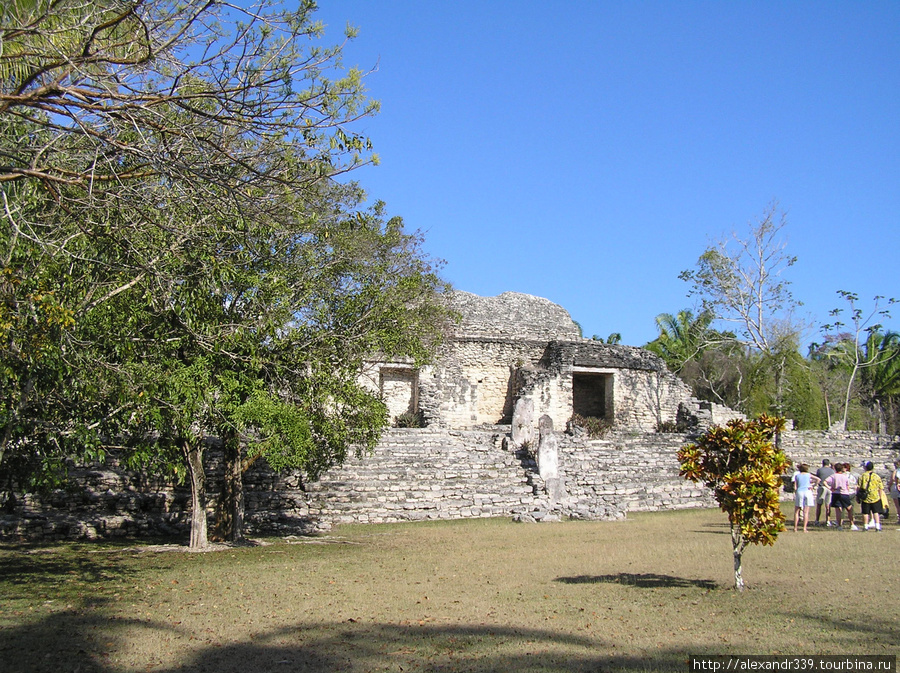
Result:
pixel 513 315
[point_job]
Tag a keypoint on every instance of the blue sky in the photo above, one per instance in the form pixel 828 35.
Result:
pixel 588 152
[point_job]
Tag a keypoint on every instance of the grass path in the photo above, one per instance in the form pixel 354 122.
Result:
pixel 484 595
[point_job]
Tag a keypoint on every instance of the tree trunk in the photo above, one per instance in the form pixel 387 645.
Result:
pixel 779 387
pixel 737 545
pixel 193 458
pixel 847 397
pixel 231 510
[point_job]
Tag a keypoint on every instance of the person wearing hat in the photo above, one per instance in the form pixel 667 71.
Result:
pixel 871 492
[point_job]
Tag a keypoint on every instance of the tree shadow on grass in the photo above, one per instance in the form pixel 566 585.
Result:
pixel 851 629
pixel 722 528
pixel 38 566
pixel 642 580
pixel 66 641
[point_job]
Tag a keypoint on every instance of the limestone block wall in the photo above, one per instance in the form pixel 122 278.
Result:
pixel 635 472
pixel 519 345
pixel 397 383
pixel 108 501
pixel 513 315
pixel 644 398
pixel 811 446
pixel 643 392
pixel 471 381
pixel 431 473
pixel 553 397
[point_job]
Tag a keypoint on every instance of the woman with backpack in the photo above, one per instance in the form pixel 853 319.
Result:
pixel 869 494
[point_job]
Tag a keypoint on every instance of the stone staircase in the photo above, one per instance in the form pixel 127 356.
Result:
pixel 420 474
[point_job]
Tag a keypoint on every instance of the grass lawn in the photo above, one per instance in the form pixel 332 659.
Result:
pixel 482 595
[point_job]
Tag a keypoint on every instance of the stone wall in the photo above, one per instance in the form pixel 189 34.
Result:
pixel 421 474
pixel 471 382
pixel 518 346
pixel 108 501
pixel 811 446
pixel 644 393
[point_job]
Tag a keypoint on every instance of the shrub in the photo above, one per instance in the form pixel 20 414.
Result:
pixel 409 419
pixel 679 426
pixel 593 426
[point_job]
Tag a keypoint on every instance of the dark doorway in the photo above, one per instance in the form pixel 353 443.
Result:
pixel 592 395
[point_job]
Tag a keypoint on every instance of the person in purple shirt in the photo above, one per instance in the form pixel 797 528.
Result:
pixel 839 483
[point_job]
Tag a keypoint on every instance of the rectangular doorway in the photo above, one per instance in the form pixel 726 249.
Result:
pixel 592 394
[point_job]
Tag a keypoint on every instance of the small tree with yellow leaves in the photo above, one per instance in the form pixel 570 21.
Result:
pixel 743 467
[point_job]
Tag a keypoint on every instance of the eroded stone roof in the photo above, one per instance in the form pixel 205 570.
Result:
pixel 513 315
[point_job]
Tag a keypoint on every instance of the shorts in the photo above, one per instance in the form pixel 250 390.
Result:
pixel 872 507
pixel 823 497
pixel 841 500
pixel 804 498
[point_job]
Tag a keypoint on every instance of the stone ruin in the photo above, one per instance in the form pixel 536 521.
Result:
pixel 495 406
pixel 517 356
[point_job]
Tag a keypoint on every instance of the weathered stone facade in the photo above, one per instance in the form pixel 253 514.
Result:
pixel 516 346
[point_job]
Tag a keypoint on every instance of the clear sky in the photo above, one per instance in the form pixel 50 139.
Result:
pixel 589 151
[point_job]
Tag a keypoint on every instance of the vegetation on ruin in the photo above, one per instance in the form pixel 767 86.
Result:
pixel 409 419
pixel 595 428
pixel 177 256
pixel 478 596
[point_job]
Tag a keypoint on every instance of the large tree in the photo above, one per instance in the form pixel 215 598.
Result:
pixel 178 256
pixel 741 281
pixel 860 348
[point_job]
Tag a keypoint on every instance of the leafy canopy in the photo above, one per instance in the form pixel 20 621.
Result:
pixel 742 466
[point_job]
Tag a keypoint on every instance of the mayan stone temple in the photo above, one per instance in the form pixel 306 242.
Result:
pixel 518 347
pixel 483 431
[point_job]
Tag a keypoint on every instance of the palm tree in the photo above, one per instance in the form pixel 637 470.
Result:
pixel 880 383
pixel 682 337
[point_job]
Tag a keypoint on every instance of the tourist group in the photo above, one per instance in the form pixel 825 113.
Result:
pixel 837 488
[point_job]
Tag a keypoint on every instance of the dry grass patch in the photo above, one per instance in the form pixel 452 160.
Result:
pixel 485 595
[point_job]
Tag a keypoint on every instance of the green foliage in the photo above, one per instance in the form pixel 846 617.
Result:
pixel 743 468
pixel 177 258
pixel 409 419
pixel 683 338
pixel 864 353
pixel 596 428
pixel 673 427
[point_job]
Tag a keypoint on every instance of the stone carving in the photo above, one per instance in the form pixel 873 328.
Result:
pixel 523 422
pixel 548 461
pixel 548 450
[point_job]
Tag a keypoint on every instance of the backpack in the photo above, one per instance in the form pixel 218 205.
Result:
pixel 862 492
